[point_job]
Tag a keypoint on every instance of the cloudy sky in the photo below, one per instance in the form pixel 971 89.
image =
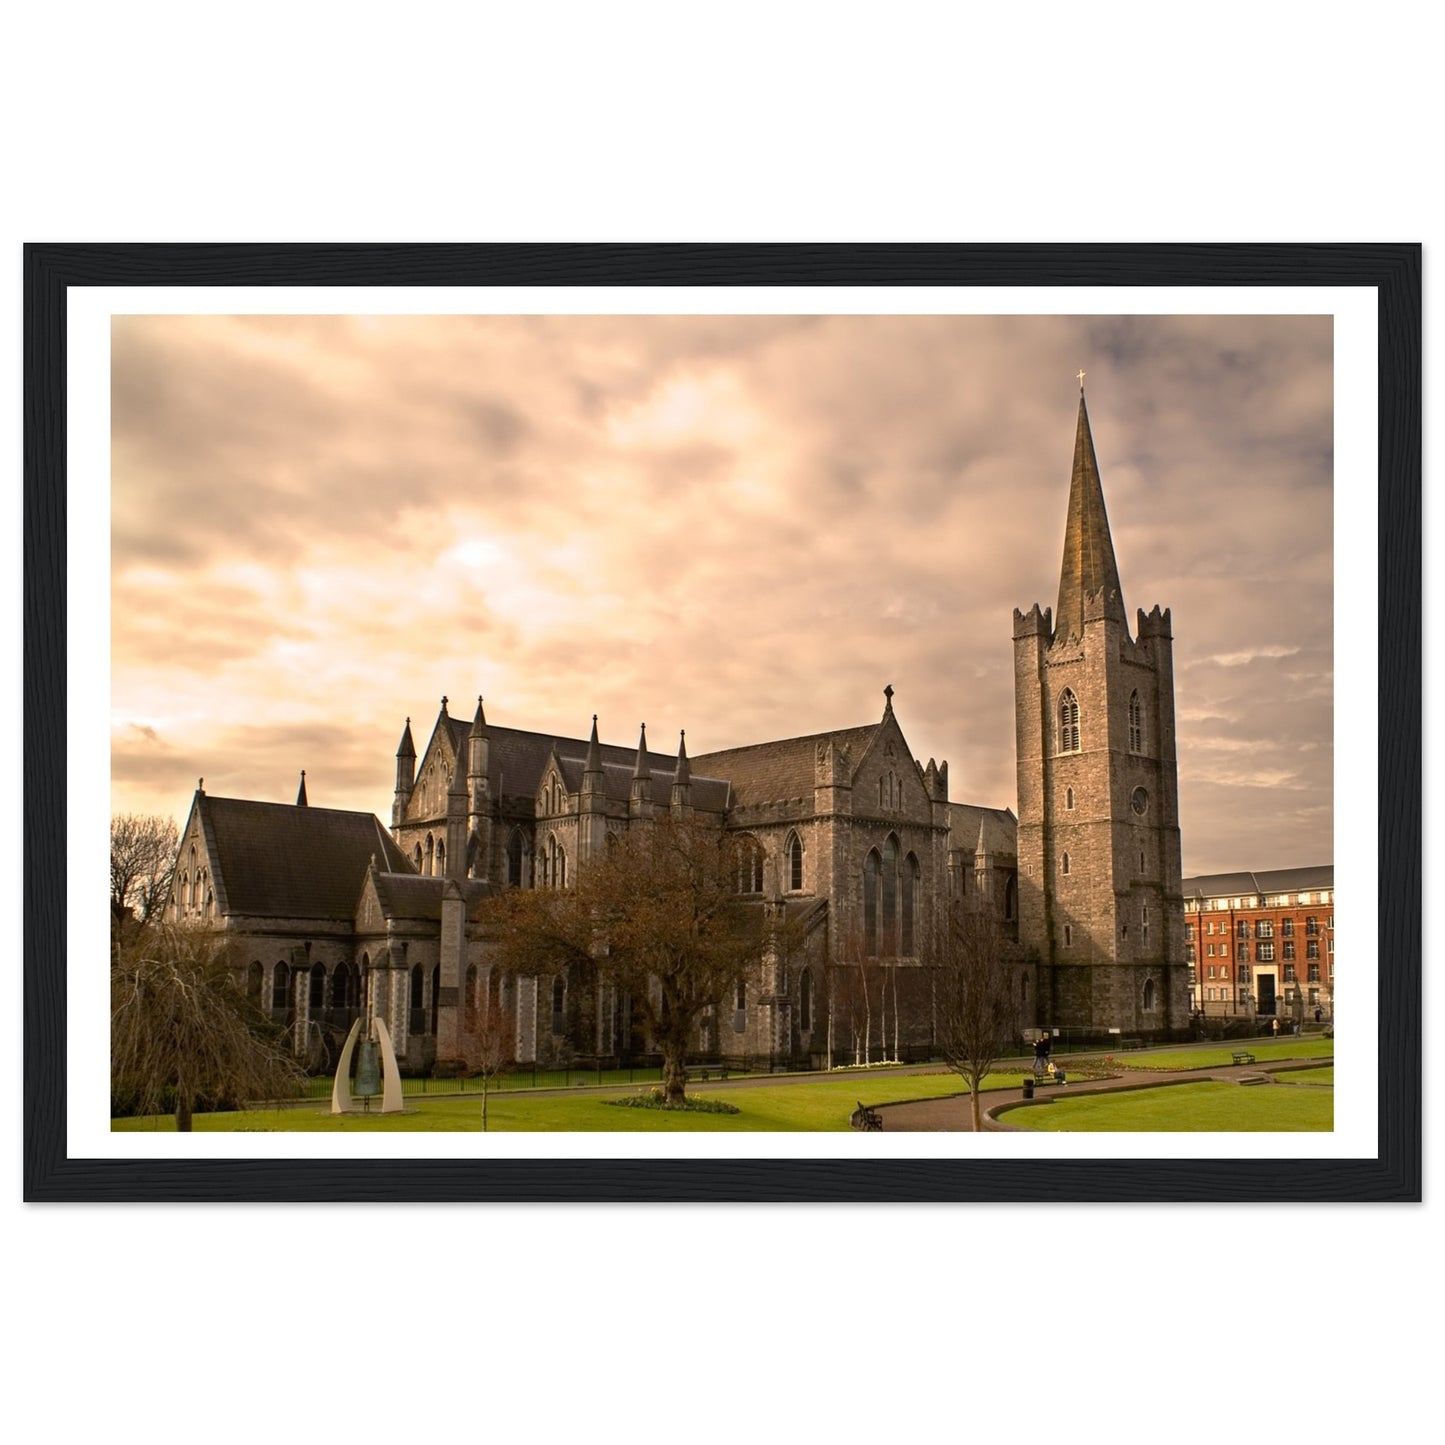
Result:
pixel 741 526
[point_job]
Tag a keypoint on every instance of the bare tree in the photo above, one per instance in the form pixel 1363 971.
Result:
pixel 660 919
pixel 142 860
pixel 182 1033
pixel 488 1049
pixel 857 981
pixel 975 1018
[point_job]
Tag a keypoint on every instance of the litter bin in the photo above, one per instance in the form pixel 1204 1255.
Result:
pixel 1028 1088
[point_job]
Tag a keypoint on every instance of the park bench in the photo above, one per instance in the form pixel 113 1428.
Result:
pixel 866 1118
pixel 1243 1056
pixel 708 1072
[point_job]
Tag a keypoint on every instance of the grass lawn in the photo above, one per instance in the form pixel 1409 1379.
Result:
pixel 1204 1107
pixel 1307 1076
pixel 815 1106
pixel 1214 1056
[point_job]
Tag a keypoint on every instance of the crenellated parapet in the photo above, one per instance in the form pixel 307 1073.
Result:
pixel 1036 622
pixel 1154 624
pixel 935 780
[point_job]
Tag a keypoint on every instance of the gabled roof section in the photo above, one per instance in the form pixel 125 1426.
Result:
pixel 281 861
pixel 408 897
pixel 770 772
pixel 1089 568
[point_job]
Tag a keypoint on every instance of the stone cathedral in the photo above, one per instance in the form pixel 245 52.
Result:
pixel 334 915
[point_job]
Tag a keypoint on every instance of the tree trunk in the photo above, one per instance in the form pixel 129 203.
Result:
pixel 674 1079
pixel 977 1107
pixel 896 1059
pixel 484 1103
pixel 183 1113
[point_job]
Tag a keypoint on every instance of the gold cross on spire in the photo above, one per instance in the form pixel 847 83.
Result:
pixel 1080 375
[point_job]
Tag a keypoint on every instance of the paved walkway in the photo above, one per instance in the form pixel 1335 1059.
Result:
pixel 954 1114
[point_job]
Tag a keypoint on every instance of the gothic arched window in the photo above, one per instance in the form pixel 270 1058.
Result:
pixel 430 855
pixel 870 903
pixel 416 857
pixel 514 859
pixel 280 986
pixel 889 939
pixel 317 997
pixel 1066 862
pixel 794 851
pixel 1149 993
pixel 910 904
pixel 750 866
pixel 1068 722
pixel 343 990
pixel 1136 724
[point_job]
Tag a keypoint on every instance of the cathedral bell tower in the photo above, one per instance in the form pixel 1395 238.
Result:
pixel 1100 902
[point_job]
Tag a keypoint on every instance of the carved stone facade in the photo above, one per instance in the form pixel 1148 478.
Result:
pixel 855 841
pixel 1100 904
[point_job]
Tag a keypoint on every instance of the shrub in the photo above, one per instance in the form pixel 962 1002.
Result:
pixel 654 1099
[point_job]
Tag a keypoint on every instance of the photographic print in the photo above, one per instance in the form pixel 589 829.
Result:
pixel 570 737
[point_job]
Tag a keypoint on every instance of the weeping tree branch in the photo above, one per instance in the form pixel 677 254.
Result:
pixel 182 1033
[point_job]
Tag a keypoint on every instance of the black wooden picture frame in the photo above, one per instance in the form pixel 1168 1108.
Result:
pixel 52 1173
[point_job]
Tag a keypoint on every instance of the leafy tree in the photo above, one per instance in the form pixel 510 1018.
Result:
pixel 182 1032
pixel 974 998
pixel 142 860
pixel 659 918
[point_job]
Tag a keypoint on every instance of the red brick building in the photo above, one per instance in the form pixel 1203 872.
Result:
pixel 1262 943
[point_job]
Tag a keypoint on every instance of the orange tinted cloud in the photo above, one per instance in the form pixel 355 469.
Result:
pixel 744 526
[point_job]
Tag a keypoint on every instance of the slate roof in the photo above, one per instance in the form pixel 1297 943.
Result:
pixel 275 860
pixel 409 896
pixel 1276 880
pixel 1000 828
pixel 771 772
pixel 518 759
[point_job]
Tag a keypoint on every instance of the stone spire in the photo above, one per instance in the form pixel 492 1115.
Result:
pixel 479 783
pixel 594 754
pixel 1089 577
pixel 301 791
pixel 639 803
pixel 478 754
pixel 682 781
pixel 592 804
pixel 982 871
pixel 405 775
